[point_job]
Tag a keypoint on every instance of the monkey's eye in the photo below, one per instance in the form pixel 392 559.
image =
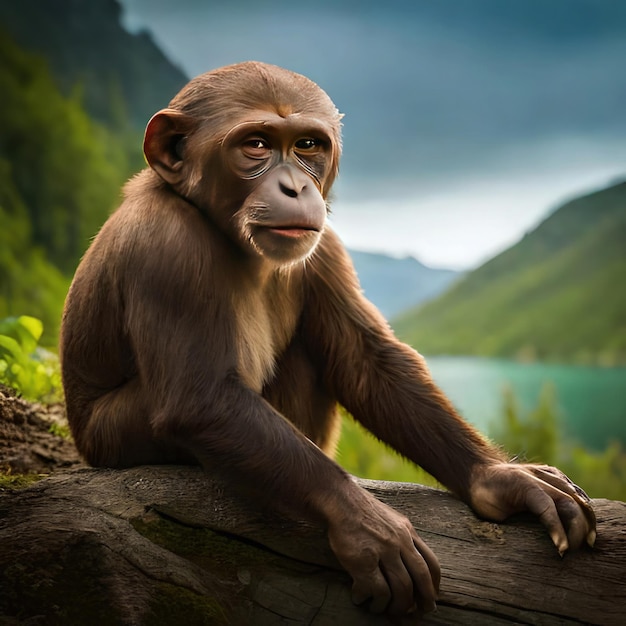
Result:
pixel 308 144
pixel 256 148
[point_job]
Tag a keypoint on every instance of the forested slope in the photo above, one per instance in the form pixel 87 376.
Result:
pixel 557 294
pixel 123 77
pixel 60 172
pixel 77 90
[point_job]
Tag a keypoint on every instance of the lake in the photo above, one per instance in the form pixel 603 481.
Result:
pixel 591 400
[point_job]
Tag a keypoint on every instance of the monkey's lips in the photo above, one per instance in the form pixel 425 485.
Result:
pixel 292 232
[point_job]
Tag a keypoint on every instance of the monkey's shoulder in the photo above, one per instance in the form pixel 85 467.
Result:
pixel 154 224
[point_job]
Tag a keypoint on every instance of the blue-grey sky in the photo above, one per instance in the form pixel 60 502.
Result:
pixel 466 121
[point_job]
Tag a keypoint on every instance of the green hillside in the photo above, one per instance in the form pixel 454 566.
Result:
pixel 123 78
pixel 60 174
pixel 559 294
pixel 77 90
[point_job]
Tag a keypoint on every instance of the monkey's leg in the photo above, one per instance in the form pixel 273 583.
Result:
pixel 117 433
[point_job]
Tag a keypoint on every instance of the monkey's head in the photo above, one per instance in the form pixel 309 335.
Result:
pixel 256 148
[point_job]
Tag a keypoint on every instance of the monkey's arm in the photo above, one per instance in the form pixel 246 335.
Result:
pixel 184 338
pixel 387 387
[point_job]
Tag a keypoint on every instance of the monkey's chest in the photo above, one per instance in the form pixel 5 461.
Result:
pixel 264 329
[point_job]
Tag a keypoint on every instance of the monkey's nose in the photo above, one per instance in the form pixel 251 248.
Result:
pixel 288 191
pixel 292 183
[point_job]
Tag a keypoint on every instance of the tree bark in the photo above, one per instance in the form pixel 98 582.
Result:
pixel 171 545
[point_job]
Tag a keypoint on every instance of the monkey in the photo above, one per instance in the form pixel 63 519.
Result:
pixel 217 319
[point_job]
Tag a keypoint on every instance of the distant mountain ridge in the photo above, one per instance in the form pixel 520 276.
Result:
pixel 557 294
pixel 124 78
pixel 397 284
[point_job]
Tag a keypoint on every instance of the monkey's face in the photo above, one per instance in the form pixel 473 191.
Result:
pixel 278 170
pixel 256 149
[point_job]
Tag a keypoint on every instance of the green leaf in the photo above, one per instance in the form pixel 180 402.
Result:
pixel 25 330
pixel 33 326
pixel 32 371
pixel 10 350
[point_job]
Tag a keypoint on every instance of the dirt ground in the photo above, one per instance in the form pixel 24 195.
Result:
pixel 34 439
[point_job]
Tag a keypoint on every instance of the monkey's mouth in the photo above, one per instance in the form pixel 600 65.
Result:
pixel 292 232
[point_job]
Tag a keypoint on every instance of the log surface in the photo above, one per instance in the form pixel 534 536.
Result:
pixel 171 545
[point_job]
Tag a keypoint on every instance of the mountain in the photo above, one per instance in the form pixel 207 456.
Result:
pixel 124 78
pixel 394 285
pixel 558 294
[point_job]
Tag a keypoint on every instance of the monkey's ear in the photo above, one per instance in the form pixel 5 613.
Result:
pixel 163 143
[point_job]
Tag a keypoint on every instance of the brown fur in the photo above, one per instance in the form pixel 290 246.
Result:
pixel 217 319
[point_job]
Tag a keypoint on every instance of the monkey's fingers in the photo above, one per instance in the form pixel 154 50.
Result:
pixel 558 479
pixel 559 511
pixel 425 579
pixel 401 583
pixel 371 585
pixel 578 532
pixel 424 571
pixel 544 507
pixel 575 522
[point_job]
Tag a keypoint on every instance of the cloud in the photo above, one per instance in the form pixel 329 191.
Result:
pixel 473 217
pixel 422 81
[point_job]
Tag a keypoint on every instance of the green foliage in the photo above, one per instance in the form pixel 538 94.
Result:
pixel 60 430
pixel 533 437
pixel 602 475
pixel 555 295
pixel 60 175
pixel 30 370
pixel 64 169
pixel 28 281
pixel 537 437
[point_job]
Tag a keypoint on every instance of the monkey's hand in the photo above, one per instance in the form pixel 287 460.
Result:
pixel 502 489
pixel 387 560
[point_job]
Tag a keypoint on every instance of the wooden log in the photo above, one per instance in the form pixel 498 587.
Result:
pixel 171 545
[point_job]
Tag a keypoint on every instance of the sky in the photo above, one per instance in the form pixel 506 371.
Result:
pixel 466 121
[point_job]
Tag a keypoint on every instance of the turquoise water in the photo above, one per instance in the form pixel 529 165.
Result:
pixel 591 400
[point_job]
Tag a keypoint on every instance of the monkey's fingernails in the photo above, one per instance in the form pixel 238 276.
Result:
pixel 591 538
pixel 560 541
